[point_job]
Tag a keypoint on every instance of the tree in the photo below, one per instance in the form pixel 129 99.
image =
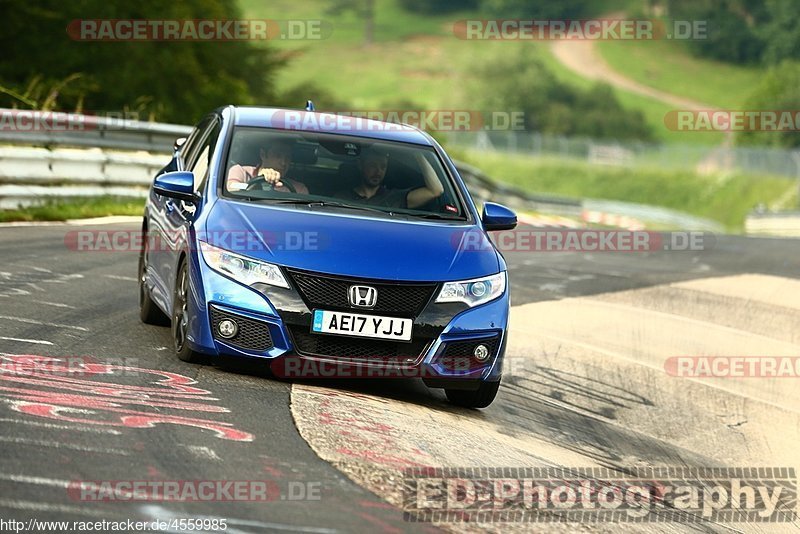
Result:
pixel 175 81
pixel 781 33
pixel 541 9
pixel 362 8
pixel 777 92
pixel 744 31
pixel 438 6
pixel 521 82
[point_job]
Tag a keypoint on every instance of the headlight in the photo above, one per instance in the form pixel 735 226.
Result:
pixel 474 292
pixel 242 269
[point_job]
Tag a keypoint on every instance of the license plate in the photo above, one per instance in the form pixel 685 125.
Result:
pixel 355 324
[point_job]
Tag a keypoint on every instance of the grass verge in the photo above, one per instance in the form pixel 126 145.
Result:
pixel 668 66
pixel 723 198
pixel 75 208
pixel 415 60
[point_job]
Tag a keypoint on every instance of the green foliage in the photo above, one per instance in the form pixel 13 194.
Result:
pixel 781 32
pixel 727 200
pixel 170 81
pixel 744 31
pixel 324 100
pixel 538 9
pixel 78 208
pixel 780 90
pixel 438 6
pixel 521 82
pixel 364 9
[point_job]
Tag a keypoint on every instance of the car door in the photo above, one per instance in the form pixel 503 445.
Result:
pixel 179 215
pixel 168 217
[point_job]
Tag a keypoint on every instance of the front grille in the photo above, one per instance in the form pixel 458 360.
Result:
pixel 332 293
pixel 356 349
pixel 252 335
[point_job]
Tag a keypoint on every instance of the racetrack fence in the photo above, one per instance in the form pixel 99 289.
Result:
pixel 703 159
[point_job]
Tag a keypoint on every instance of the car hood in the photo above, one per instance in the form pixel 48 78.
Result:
pixel 351 245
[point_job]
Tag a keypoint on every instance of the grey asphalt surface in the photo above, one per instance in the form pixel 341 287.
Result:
pixel 61 303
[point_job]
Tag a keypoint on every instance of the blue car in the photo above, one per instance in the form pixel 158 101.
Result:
pixel 329 246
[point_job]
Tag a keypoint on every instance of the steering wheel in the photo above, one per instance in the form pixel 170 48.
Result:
pixel 261 181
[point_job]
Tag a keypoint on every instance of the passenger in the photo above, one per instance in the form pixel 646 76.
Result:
pixel 371 189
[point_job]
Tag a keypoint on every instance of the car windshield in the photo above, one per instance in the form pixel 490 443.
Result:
pixel 339 172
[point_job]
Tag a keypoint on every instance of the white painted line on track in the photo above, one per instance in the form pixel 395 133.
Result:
pixel 33 321
pixel 204 453
pixel 21 340
pixel 159 512
pixel 52 426
pixel 125 278
pixel 38 481
pixel 55 304
pixel 44 507
pixel 34 286
pixel 62 279
pixel 42 443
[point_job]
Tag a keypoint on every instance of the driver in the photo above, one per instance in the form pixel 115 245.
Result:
pixel 275 161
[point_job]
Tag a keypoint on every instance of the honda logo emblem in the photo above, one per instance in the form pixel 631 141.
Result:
pixel 363 296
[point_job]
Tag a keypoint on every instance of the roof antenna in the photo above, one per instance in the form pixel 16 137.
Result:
pixel 310 106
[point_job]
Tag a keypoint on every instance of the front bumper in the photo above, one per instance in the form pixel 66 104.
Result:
pixel 444 334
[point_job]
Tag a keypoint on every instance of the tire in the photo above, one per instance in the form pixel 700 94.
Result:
pixel 149 312
pixel 479 398
pixel 180 316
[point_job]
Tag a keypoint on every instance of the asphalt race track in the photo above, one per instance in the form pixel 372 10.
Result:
pixel 585 386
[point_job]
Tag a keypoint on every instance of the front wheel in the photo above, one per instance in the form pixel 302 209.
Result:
pixel 180 316
pixel 149 312
pixel 478 398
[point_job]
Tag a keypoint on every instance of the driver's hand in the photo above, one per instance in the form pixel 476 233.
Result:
pixel 271 176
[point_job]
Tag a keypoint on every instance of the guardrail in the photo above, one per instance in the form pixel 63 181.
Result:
pixel 95 156
pixel 50 129
pixel 785 224
pixel 30 175
pixel 63 155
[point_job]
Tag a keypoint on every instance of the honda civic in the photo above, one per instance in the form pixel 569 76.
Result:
pixel 331 243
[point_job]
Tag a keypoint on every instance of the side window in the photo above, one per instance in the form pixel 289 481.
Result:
pixel 190 147
pixel 202 157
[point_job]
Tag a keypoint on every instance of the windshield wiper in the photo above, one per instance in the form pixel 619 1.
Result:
pixel 324 203
pixel 288 200
pixel 436 216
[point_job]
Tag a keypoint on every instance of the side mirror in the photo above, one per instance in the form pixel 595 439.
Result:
pixel 176 184
pixel 178 144
pixel 497 217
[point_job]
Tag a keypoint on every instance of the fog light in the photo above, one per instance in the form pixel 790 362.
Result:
pixel 481 353
pixel 227 328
